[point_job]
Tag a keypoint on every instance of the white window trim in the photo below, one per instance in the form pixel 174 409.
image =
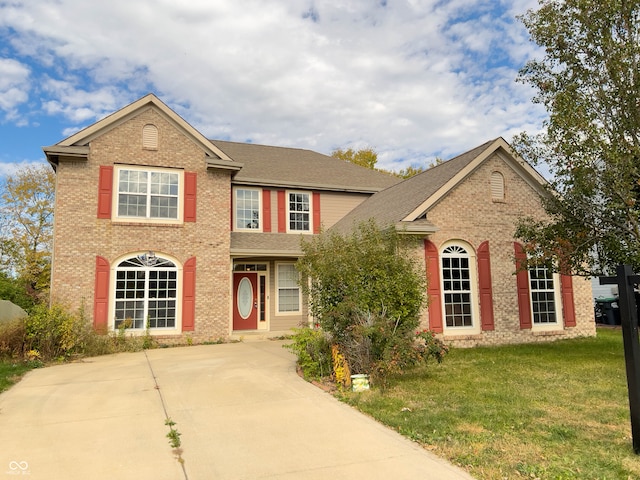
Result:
pixel 116 193
pixel 310 195
pixel 177 330
pixel 277 306
pixel 235 211
pixel 475 327
pixel 557 299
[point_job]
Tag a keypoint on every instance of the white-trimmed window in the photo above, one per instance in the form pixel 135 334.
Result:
pixel 299 212
pixel 247 209
pixel 145 293
pixel 288 288
pixel 543 296
pixel 457 287
pixel 147 194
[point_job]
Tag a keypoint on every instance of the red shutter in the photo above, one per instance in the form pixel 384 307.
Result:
pixel 568 307
pixel 190 188
pixel 282 212
pixel 316 212
pixel 101 296
pixel 522 279
pixel 484 283
pixel 105 186
pixel 189 295
pixel 266 211
pixel 433 286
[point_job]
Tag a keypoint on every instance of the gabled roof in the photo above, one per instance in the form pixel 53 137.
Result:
pixel 77 145
pixel 404 205
pixel 298 168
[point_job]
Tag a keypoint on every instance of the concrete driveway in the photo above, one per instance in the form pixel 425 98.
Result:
pixel 241 410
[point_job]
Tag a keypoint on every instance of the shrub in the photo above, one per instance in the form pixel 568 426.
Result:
pixel 12 338
pixel 313 349
pixel 371 270
pixel 57 334
pixel 366 291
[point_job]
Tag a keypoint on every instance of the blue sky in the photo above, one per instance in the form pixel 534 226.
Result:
pixel 414 79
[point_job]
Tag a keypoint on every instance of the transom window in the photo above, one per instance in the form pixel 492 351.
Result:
pixel 456 286
pixel 148 193
pixel 146 292
pixel 288 288
pixel 299 207
pixel 247 209
pixel 543 298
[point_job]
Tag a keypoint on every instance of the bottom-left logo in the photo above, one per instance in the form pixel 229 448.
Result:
pixel 18 468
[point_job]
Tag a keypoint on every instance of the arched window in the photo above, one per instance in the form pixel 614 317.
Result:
pixel 457 287
pixel 146 292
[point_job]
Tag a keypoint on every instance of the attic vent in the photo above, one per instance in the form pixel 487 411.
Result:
pixel 150 137
pixel 497 187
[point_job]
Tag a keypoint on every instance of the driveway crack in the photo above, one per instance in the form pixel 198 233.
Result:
pixel 173 435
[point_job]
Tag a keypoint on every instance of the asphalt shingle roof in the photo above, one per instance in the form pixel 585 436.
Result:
pixel 392 205
pixel 294 167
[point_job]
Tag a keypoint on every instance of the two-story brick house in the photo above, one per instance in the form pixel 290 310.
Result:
pixel 156 224
pixel 158 227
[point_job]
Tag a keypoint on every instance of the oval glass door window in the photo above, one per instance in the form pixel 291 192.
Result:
pixel 245 298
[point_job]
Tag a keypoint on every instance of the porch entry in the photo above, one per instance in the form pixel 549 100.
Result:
pixel 249 297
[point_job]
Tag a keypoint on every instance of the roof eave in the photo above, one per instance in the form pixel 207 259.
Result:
pixel 312 186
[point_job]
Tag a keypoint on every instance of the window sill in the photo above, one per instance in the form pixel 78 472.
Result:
pixel 138 223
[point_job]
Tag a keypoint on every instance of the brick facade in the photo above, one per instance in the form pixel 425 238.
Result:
pixel 90 240
pixel 79 236
pixel 470 215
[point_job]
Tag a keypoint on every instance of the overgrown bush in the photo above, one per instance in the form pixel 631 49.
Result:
pixel 366 291
pixel 313 349
pixel 375 346
pixel 370 270
pixel 56 334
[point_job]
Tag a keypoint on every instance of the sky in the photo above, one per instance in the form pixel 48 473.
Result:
pixel 415 80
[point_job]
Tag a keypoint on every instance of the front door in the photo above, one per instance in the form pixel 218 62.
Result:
pixel 245 301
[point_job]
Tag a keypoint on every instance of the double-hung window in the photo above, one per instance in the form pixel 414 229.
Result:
pixel 148 194
pixel 288 288
pixel 247 209
pixel 543 297
pixel 299 212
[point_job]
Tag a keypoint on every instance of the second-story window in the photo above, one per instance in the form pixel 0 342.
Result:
pixel 151 194
pixel 299 211
pixel 247 209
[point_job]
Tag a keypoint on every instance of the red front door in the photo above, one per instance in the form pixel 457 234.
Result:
pixel 245 301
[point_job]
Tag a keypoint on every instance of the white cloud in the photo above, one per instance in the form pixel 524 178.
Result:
pixel 414 79
pixel 14 88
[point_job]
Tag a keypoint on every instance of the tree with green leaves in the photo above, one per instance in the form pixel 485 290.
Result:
pixel 589 82
pixel 26 216
pixel 368 158
pixel 365 157
pixel 366 291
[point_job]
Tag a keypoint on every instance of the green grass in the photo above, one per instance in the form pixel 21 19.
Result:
pixel 544 411
pixel 12 371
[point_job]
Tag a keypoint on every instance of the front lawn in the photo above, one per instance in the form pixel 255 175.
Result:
pixel 544 411
pixel 11 371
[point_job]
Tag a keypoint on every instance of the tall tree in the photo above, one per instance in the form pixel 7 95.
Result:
pixel 368 158
pixel 365 157
pixel 26 216
pixel 589 82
